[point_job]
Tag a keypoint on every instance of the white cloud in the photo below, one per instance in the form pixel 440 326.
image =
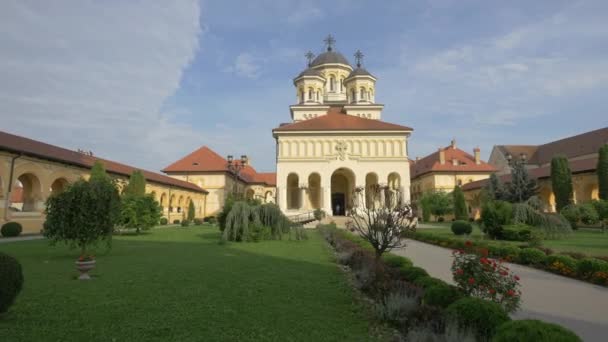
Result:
pixel 304 14
pixel 96 74
pixel 245 65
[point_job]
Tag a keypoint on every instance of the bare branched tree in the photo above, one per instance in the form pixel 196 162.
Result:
pixel 383 219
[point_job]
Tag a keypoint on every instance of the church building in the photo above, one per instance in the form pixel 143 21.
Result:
pixel 336 148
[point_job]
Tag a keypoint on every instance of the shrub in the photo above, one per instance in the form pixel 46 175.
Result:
pixel 478 276
pixel 259 232
pixel 452 333
pixel 185 223
pixel 517 232
pixel 176 221
pixel 396 261
pixel 397 306
pixel 440 219
pixel 572 214
pixel 210 219
pixel 480 316
pixel 11 229
pixel 319 214
pixel 460 205
pixel 441 295
pixel 585 268
pixel 530 330
pixel 428 281
pixel 588 213
pixel 507 252
pixel 531 256
pixel 461 228
pixel 561 181
pixel 197 221
pixel 139 212
pixel 561 264
pixel 412 273
pixel 12 281
pixel 494 215
pixel 601 207
pixel 164 221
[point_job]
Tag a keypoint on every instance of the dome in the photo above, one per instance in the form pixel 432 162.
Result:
pixel 329 57
pixel 309 72
pixel 359 71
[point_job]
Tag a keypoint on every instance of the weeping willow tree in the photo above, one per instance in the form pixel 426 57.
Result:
pixel 270 215
pixel 530 213
pixel 241 217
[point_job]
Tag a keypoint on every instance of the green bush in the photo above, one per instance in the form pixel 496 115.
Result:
pixel 480 316
pixel 11 229
pixel 531 256
pixel 561 264
pixel 517 232
pixel 197 221
pixel 210 219
pixel 259 232
pixel 494 215
pixel 509 252
pixel 531 330
pixel 601 207
pixel 588 214
pixel 428 281
pixel 571 214
pixel 412 273
pixel 396 261
pixel 461 228
pixel 440 219
pixel 185 223
pixel 441 295
pixel 11 282
pixel 176 221
pixel 164 221
pixel 587 266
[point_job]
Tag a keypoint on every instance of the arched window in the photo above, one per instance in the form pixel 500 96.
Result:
pixel 332 83
pixel 353 96
pixel 362 95
pixel 318 96
pixel 342 85
pixel 301 96
pixel 310 94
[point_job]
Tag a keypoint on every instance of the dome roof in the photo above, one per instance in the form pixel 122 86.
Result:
pixel 359 71
pixel 328 57
pixel 309 72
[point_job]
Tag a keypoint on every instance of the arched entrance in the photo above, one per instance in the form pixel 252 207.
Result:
pixel 28 191
pixel 342 191
pixel 371 189
pixel 59 185
pixel 314 190
pixel 250 194
pixel 293 191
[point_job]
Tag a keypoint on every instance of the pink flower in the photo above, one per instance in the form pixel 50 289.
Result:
pixel 516 278
pixel 471 281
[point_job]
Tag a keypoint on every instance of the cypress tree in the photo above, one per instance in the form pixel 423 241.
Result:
pixel 98 171
pixel 602 172
pixel 191 211
pixel 521 187
pixel 137 185
pixel 460 205
pixel 494 188
pixel 561 181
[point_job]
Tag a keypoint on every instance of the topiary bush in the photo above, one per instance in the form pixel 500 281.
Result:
pixel 163 221
pixel 507 252
pixel 531 330
pixel 480 316
pixel 531 256
pixel 185 223
pixel 461 228
pixel 11 283
pixel 572 215
pixel 412 273
pixel 441 295
pixel 11 229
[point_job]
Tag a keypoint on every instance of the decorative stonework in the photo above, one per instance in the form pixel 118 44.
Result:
pixel 341 149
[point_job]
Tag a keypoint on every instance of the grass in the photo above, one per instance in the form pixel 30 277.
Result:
pixel 584 240
pixel 179 284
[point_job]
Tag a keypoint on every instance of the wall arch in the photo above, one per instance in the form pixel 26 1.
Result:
pixel 314 190
pixel 293 191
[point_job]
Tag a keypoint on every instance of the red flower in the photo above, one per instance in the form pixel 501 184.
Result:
pixel 492 291
pixel 459 271
pixel 471 281
pixel 484 260
pixel 516 278
pixel 510 293
pixel 483 251
pixel 468 243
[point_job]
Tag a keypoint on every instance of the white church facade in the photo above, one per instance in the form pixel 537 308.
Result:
pixel 337 148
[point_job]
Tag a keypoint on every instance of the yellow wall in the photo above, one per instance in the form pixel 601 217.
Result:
pixel 42 174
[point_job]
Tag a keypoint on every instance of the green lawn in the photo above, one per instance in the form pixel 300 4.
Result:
pixel 179 284
pixel 583 240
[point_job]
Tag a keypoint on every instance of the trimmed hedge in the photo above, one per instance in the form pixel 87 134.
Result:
pixel 531 256
pixel 531 330
pixel 441 295
pixel 411 273
pixel 517 232
pixel 11 229
pixel 396 261
pixel 428 281
pixel 461 228
pixel 585 268
pixel 480 316
pixel 11 283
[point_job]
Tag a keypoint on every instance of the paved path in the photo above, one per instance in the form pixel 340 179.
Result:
pixel 579 306
pixel 21 238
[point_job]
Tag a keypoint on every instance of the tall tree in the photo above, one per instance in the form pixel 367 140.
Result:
pixel 460 205
pixel 521 187
pixel 561 181
pixel 494 188
pixel 438 203
pixel 191 211
pixel 137 185
pixel 98 172
pixel 602 172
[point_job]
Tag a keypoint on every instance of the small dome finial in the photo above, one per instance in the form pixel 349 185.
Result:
pixel 329 41
pixel 309 56
pixel 359 57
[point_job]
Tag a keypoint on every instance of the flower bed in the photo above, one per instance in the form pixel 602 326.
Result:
pixel 575 265
pixel 421 307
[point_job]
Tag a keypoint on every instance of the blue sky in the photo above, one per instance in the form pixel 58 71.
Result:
pixel 147 82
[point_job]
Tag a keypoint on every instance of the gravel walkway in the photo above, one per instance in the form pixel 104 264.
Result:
pixel 579 306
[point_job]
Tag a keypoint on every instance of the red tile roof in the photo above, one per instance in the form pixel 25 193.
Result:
pixel 25 146
pixel 465 163
pixel 206 160
pixel 576 166
pixel 337 120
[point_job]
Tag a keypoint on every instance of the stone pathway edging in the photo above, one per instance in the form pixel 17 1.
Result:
pixel 577 305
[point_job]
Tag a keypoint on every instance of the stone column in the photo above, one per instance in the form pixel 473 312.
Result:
pixel 303 204
pixel 282 198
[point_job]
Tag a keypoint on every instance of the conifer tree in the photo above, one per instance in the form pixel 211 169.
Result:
pixel 191 211
pixel 460 205
pixel 137 185
pixel 494 188
pixel 561 181
pixel 521 187
pixel 602 172
pixel 98 172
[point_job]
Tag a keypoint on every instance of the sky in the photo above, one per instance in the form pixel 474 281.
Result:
pixel 147 82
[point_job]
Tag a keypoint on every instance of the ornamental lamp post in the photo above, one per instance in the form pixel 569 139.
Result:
pixel 235 168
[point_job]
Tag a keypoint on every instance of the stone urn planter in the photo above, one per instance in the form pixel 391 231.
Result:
pixel 84 267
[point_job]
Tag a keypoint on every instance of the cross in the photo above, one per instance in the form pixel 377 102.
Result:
pixel 359 57
pixel 309 56
pixel 329 41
